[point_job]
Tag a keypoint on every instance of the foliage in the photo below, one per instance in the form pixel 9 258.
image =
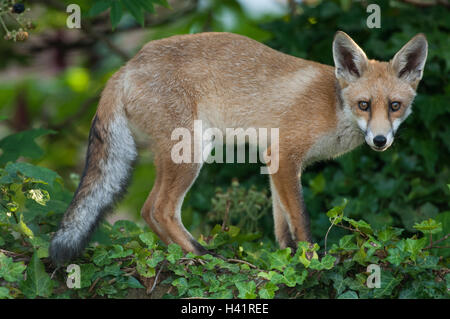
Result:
pixel 118 7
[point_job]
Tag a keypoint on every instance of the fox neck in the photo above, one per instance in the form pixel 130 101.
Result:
pixel 343 138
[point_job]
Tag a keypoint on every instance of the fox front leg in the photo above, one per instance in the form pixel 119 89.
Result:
pixel 290 215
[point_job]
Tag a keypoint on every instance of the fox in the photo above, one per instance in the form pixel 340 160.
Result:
pixel 228 80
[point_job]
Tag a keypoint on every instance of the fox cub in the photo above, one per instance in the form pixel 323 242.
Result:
pixel 226 81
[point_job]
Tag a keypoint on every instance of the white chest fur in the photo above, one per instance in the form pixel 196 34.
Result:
pixel 343 139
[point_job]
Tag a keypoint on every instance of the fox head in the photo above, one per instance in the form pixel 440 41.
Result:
pixel 378 94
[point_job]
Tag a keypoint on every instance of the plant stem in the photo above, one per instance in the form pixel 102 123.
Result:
pixel 3 24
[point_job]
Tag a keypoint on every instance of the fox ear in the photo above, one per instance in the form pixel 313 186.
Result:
pixel 409 62
pixel 350 61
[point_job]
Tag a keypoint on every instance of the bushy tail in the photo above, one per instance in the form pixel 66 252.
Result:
pixel 110 155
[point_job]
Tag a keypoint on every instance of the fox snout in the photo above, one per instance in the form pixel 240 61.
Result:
pixel 380 141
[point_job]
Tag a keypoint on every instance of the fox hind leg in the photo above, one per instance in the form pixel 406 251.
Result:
pixel 149 205
pixel 282 232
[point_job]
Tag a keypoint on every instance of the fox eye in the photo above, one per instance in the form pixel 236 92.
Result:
pixel 395 106
pixel 363 105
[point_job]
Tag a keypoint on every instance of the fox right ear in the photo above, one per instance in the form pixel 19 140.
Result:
pixel 349 59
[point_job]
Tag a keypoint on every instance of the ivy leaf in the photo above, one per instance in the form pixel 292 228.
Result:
pixel 338 282
pixel 350 294
pixel 280 259
pixel 429 226
pixel 181 284
pixel 388 283
pixel 360 225
pixel 38 282
pixel 149 239
pixel 174 253
pixel 119 252
pixel 246 289
pixel 4 293
pixel 348 242
pixel 396 256
pixel 336 213
pixel 100 257
pixel 387 233
pixel 134 283
pixel 414 246
pixel 268 291
pixel 11 271
pixel 156 258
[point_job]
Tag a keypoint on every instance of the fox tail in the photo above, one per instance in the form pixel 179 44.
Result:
pixel 110 155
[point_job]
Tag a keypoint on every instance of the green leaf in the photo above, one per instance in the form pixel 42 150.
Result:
pixel 38 282
pixel 100 257
pixel 40 245
pixel 414 246
pixel 429 226
pixel 388 233
pixel 22 144
pixel 360 225
pixel 350 294
pixel 98 7
pixel 116 13
pixel 348 242
pixel 338 282
pixel 163 3
pixel 4 293
pixel 246 289
pixel 35 172
pixel 174 253
pixel 88 272
pixel 149 239
pixel 396 256
pixel 134 283
pixel 336 213
pixel 156 258
pixel 135 9
pixel 9 270
pixel 120 252
pixel 181 284
pixel 317 184
pixel 280 258
pixel 147 5
pixel 388 283
pixel 268 291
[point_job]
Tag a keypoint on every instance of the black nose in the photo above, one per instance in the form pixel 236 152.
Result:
pixel 379 140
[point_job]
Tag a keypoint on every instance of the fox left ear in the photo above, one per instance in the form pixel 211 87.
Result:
pixel 409 62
